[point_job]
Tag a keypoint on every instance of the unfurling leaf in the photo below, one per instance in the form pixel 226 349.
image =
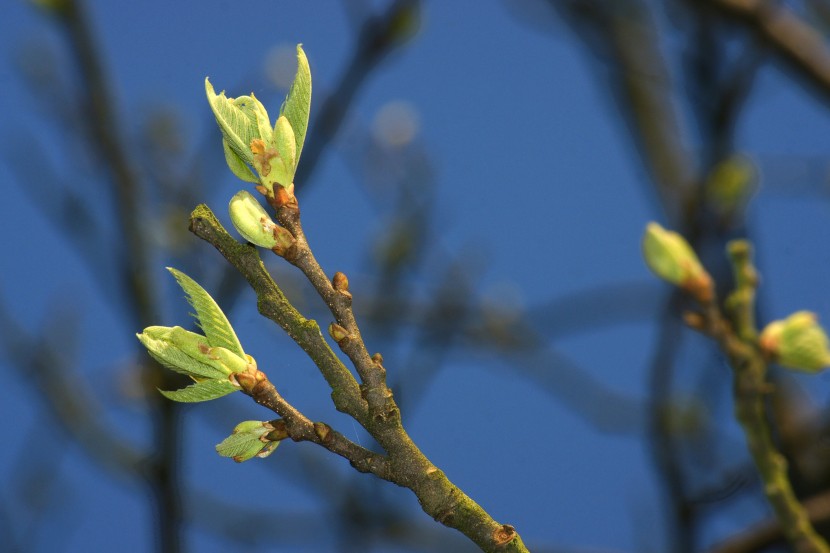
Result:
pixel 237 119
pixel 247 441
pixel 210 360
pixel 204 390
pixel 283 165
pixel 237 166
pixel 184 352
pixel 212 320
pixel 297 105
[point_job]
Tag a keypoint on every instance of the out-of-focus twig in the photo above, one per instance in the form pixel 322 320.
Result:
pixel 769 532
pixel 378 37
pixel 737 339
pixel 792 38
pixel 625 34
pixel 42 362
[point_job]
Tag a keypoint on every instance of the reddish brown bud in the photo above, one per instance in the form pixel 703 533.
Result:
pixel 246 381
pixel 285 243
pixel 340 282
pixel 338 333
pixel 283 197
pixel 323 431
pixel 277 430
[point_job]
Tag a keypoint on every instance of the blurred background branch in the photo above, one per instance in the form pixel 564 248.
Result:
pixel 606 356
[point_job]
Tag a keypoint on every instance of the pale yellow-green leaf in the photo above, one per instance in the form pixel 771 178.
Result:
pixel 212 320
pixel 287 148
pixel 244 443
pixel 297 105
pixel 236 165
pixel 201 391
pixel 236 119
pixel 266 133
pixel 165 345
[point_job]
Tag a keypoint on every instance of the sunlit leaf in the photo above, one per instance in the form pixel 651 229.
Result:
pixel 211 319
pixel 237 165
pixel 237 120
pixel 201 391
pixel 165 346
pixel 297 105
pixel 283 165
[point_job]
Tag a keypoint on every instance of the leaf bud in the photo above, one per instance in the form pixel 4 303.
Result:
pixel 189 353
pixel 670 257
pixel 252 221
pixel 338 333
pixel 797 342
pixel 731 184
pixel 248 439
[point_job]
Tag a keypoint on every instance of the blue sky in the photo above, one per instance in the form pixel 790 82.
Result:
pixel 535 180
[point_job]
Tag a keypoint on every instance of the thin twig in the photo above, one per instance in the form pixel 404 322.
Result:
pixel 792 38
pixel 736 339
pixel 408 466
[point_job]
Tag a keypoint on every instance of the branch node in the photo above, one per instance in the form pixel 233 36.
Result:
pixel 323 432
pixel 504 535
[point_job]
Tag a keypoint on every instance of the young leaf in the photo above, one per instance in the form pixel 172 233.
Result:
pixel 236 119
pixel 245 443
pixel 165 346
pixel 215 325
pixel 236 165
pixel 287 148
pixel 297 104
pixel 201 391
pixel 240 446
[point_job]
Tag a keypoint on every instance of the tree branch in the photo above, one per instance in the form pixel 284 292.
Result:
pixel 273 304
pixel 801 46
pixel 408 466
pixel 736 339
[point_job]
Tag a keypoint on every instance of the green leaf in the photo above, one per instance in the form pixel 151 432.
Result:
pixel 297 105
pixel 283 165
pixel 236 165
pixel 245 443
pixel 237 120
pixel 240 446
pixel 171 354
pixel 201 391
pixel 213 322
pixel 263 122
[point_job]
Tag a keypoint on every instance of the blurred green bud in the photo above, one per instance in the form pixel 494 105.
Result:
pixel 249 439
pixel 797 342
pixel 251 220
pixel 670 257
pixel 730 184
